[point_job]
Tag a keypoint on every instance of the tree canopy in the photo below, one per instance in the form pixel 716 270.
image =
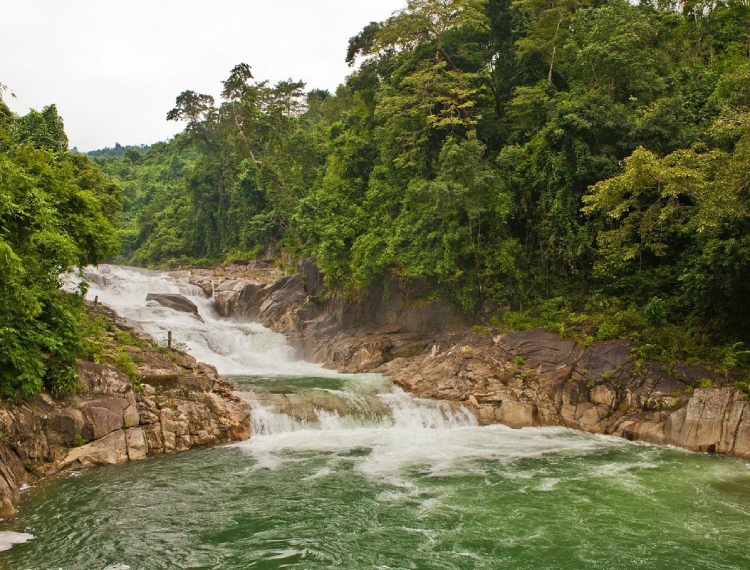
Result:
pixel 504 151
pixel 57 213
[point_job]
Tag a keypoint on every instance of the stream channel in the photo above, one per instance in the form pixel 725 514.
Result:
pixel 347 471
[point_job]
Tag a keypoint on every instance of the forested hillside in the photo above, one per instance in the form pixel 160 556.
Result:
pixel 57 212
pixel 566 155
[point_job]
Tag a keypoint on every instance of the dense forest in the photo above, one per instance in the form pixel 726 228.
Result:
pixel 573 154
pixel 583 163
pixel 57 212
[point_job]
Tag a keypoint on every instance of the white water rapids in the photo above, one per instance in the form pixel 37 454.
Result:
pixel 232 347
pixel 347 471
pixel 253 356
pixel 302 407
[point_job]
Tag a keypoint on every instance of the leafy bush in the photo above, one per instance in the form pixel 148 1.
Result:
pixel 56 213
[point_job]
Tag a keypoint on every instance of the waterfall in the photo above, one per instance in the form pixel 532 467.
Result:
pixel 232 347
pixel 286 395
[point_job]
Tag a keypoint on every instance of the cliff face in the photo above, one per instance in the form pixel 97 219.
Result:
pixel 180 404
pixel 531 378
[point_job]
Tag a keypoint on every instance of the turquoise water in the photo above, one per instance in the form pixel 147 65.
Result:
pixel 396 495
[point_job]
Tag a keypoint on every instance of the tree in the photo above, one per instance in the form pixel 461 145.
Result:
pixel 547 31
pixel 56 213
pixel 42 130
pixel 615 48
pixel 427 94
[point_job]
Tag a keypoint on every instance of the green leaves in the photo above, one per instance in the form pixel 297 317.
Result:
pixel 56 213
pixel 512 150
pixel 43 130
pixel 614 48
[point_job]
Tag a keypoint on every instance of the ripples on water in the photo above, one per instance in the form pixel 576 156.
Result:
pixel 345 472
pixel 465 497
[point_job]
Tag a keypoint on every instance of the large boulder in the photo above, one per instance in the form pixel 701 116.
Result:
pixel 174 302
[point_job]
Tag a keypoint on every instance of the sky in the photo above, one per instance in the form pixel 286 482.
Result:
pixel 114 69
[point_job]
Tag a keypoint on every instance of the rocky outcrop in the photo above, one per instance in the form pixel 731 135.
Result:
pixel 323 328
pixel 179 404
pixel 535 378
pixel 174 302
pixel 531 378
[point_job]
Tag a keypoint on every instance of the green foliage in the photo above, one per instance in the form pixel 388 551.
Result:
pixel 124 362
pixel 56 213
pixel 587 161
pixel 42 130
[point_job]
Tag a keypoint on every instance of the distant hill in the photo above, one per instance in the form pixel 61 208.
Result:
pixel 118 151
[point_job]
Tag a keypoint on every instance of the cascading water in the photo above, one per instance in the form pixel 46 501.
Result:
pixel 233 347
pixel 255 358
pixel 348 472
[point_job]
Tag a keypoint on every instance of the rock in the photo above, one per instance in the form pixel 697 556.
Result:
pixel 187 382
pixel 225 297
pixel 109 450
pixel 12 475
pixel 604 395
pixel 174 302
pixel 699 425
pixel 370 355
pixel 516 414
pixel 291 291
pixel 206 286
pixel 100 422
pixel 312 278
pixel 135 440
pixel 130 416
pixel 64 426
pixel 486 415
pixel 99 379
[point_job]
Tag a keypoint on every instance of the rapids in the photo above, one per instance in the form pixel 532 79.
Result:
pixel 346 471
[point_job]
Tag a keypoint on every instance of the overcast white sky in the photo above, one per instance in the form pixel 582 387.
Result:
pixel 114 68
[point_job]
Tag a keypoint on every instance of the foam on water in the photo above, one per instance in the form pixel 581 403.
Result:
pixel 394 452
pixel 9 538
pixel 232 347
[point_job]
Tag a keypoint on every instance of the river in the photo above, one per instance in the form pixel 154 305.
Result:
pixel 346 471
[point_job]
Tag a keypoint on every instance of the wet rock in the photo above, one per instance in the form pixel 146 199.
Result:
pixel 174 302
pixel 206 286
pixel 226 295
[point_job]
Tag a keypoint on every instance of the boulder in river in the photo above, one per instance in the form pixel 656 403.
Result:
pixel 174 301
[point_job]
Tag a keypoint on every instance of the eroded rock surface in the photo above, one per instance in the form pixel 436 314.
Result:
pixel 180 404
pixel 530 378
pixel 534 378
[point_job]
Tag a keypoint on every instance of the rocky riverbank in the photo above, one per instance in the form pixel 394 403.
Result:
pixel 529 378
pixel 178 404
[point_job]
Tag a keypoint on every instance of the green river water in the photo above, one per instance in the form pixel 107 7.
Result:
pixel 374 479
pixel 396 496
